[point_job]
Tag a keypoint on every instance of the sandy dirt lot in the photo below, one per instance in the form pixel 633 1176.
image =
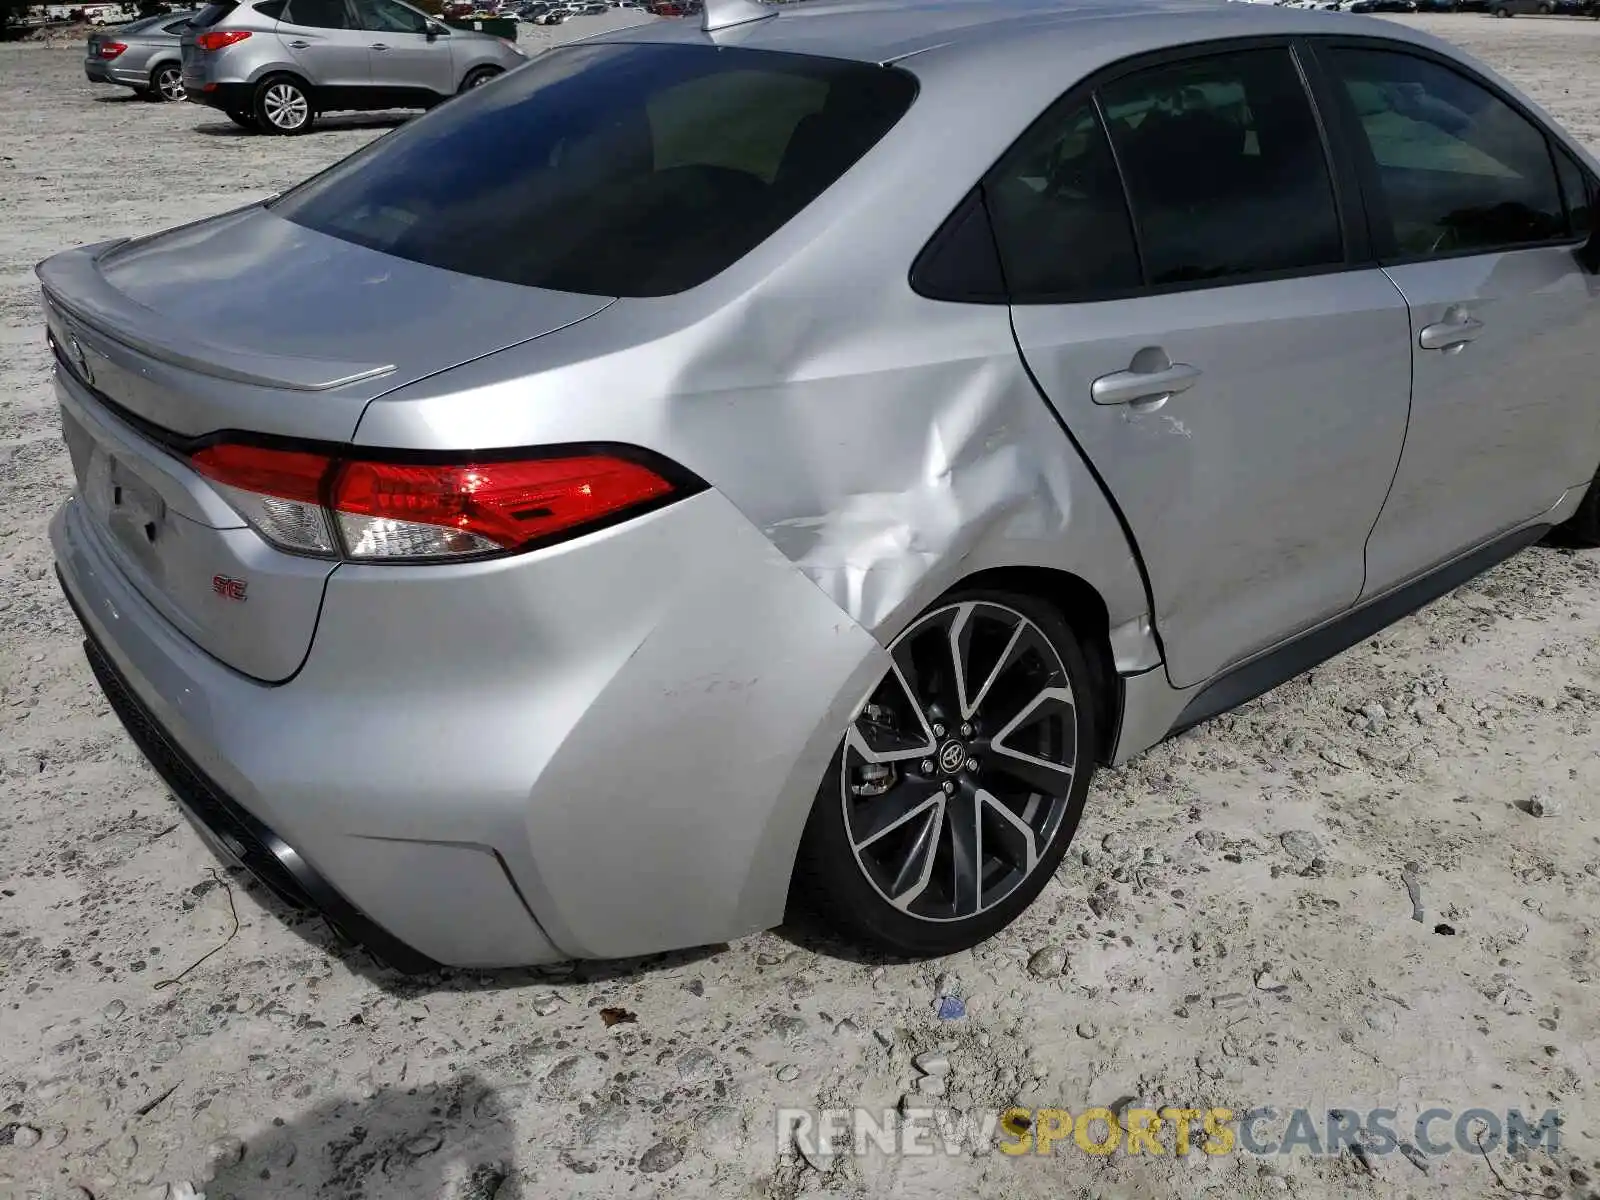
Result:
pixel 1233 928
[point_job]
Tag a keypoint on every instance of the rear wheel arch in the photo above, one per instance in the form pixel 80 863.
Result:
pixel 281 71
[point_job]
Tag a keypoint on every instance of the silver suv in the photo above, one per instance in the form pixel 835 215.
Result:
pixel 275 64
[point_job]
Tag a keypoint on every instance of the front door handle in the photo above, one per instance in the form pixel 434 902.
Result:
pixel 1449 334
pixel 379 46
pixel 1143 388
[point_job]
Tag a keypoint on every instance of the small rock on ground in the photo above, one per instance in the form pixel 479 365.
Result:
pixel 1047 963
pixel 663 1156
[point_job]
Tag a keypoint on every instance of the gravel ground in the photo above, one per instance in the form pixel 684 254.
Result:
pixel 1234 927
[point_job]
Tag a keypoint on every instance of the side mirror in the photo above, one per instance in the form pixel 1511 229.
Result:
pixel 437 30
pixel 1588 254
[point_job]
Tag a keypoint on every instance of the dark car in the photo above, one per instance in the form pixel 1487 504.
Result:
pixel 1527 8
pixel 1381 6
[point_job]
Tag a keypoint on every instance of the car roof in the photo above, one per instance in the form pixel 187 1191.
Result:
pixel 883 31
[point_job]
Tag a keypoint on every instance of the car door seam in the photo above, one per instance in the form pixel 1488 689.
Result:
pixel 1405 432
pixel 1094 473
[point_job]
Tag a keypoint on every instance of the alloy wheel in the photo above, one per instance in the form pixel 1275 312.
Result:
pixel 956 773
pixel 285 106
pixel 170 84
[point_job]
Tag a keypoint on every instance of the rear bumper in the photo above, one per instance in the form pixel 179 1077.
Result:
pixel 229 830
pixel 204 727
pixel 237 97
pixel 603 749
pixel 99 70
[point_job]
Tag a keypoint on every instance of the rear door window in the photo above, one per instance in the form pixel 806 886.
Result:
pixel 1206 169
pixel 1225 168
pixel 618 170
pixel 1059 215
pixel 318 14
pixel 1456 167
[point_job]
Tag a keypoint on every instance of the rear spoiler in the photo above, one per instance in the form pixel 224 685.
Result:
pixel 73 284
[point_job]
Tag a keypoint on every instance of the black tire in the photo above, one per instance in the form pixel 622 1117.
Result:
pixel 241 118
pixel 1030 673
pixel 278 100
pixel 166 83
pixel 479 76
pixel 1581 531
pixel 1502 13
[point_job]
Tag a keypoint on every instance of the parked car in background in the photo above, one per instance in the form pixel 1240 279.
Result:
pixel 274 65
pixel 146 56
pixel 1381 6
pixel 1528 8
pixel 106 15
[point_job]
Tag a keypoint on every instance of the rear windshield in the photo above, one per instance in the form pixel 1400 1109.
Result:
pixel 211 14
pixel 613 170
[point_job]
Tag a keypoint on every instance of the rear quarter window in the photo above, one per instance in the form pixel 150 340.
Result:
pixel 616 170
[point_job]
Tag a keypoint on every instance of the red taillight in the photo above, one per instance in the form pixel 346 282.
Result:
pixel 287 474
pixel 373 510
pixel 503 504
pixel 216 39
pixel 111 49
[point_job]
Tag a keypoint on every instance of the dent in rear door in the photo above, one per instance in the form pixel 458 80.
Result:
pixel 1251 460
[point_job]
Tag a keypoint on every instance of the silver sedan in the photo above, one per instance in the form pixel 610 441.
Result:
pixel 144 55
pixel 777 458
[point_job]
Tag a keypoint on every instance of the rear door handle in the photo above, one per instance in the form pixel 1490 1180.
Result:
pixel 298 45
pixel 1141 387
pixel 1449 334
pixel 379 46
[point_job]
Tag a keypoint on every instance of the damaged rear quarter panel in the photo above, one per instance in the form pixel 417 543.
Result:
pixel 887 454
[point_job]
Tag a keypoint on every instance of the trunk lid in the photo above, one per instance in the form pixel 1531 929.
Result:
pixel 245 322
